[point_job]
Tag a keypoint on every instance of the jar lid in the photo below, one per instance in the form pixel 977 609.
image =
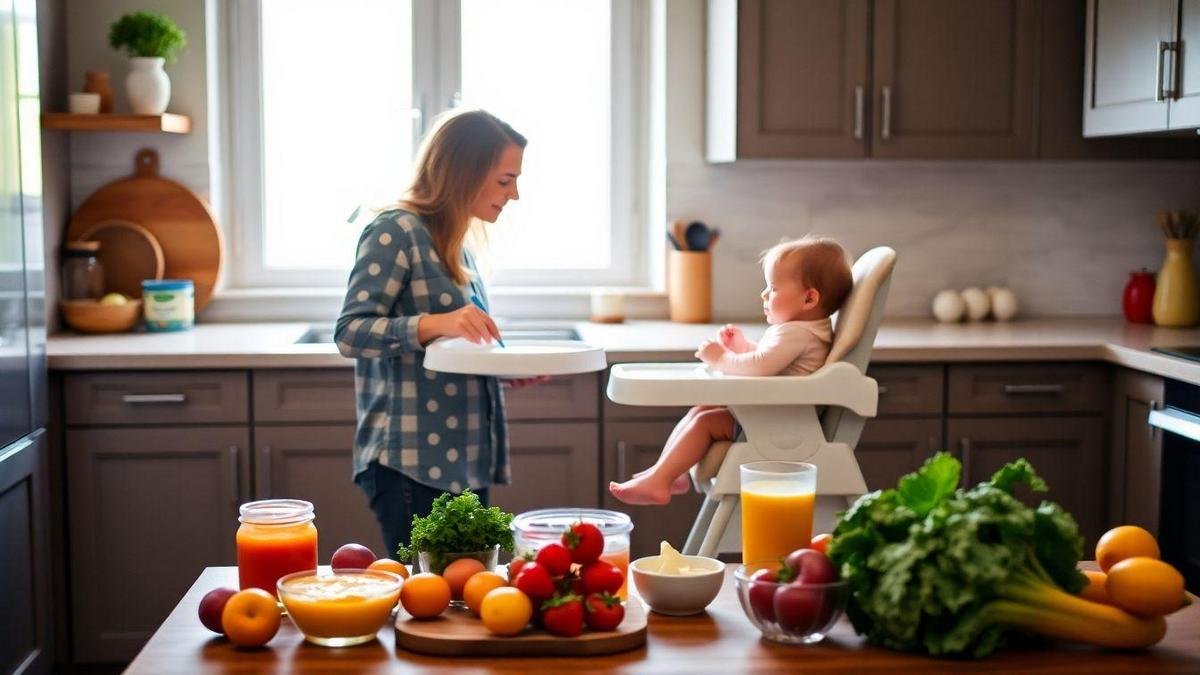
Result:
pixel 552 522
pixel 167 284
pixel 276 512
pixel 84 247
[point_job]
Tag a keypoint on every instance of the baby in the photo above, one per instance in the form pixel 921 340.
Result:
pixel 808 279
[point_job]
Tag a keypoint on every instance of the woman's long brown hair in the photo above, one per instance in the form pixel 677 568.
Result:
pixel 455 160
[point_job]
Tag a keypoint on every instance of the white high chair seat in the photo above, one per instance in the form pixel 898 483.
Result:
pixel 779 415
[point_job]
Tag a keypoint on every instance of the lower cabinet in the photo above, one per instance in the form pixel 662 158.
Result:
pixel 315 463
pixel 24 565
pixel 1135 452
pixel 630 447
pixel 149 509
pixel 1066 451
pixel 553 464
pixel 891 448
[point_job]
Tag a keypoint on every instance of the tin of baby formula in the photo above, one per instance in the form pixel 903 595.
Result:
pixel 169 304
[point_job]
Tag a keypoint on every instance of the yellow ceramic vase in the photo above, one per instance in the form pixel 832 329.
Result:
pixel 1176 299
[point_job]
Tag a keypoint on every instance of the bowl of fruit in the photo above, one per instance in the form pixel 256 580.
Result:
pixel 793 602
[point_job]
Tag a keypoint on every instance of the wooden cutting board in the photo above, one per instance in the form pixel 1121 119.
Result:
pixel 181 222
pixel 458 633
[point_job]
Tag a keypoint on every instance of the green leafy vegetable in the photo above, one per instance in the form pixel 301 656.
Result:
pixel 459 524
pixel 147 34
pixel 927 563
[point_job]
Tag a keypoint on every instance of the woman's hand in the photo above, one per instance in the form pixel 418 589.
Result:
pixel 710 352
pixel 522 382
pixel 467 322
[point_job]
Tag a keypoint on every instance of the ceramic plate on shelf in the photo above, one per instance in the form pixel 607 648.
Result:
pixel 518 358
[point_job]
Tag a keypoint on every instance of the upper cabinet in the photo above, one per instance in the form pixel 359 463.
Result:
pixel 1138 78
pixel 910 79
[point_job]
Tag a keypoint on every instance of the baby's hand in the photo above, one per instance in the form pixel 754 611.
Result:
pixel 710 352
pixel 730 336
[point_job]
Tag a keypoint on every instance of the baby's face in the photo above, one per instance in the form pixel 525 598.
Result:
pixel 784 299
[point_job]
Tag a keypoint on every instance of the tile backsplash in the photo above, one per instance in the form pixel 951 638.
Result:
pixel 1063 235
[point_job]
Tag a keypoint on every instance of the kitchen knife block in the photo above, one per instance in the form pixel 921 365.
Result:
pixel 689 286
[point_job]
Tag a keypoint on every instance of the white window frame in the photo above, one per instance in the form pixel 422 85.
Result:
pixel 436 68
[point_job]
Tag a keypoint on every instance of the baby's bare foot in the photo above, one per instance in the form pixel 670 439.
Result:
pixel 640 490
pixel 681 485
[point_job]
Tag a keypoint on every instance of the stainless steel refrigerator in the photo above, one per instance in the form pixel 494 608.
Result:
pixel 24 588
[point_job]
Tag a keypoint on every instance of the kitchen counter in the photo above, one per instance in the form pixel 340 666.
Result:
pixel 721 640
pixel 273 345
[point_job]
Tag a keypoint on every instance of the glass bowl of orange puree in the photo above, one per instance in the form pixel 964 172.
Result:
pixel 340 608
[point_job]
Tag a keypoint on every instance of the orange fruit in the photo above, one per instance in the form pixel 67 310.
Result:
pixel 478 586
pixel 506 611
pixel 457 573
pixel 425 595
pixel 389 565
pixel 250 618
pixel 1145 586
pixel 1126 541
pixel 1094 590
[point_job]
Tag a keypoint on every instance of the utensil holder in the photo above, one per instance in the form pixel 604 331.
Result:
pixel 689 286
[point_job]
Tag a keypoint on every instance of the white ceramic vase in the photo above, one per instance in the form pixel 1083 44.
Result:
pixel 147 85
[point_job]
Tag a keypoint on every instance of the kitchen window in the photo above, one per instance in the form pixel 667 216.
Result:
pixel 327 103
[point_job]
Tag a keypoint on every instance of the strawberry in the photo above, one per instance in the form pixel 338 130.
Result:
pixel 600 576
pixel 603 611
pixel 515 565
pixel 584 541
pixel 533 580
pixel 563 615
pixel 555 558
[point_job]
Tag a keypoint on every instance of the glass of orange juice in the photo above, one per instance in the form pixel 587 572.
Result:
pixel 777 508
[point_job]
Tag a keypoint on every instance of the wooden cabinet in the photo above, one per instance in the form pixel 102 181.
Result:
pixel 553 464
pixel 149 509
pixel 1138 78
pixel 890 448
pixel 24 562
pixel 314 463
pixel 629 447
pixel 1135 451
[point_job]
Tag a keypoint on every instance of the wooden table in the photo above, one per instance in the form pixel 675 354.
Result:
pixel 720 641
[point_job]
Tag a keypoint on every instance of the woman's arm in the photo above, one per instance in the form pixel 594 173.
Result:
pixel 366 327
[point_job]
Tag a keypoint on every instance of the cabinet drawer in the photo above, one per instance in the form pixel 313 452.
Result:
pixel 909 390
pixel 1027 388
pixel 175 397
pixel 565 397
pixel 319 395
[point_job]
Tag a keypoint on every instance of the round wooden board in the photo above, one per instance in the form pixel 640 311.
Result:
pixel 458 633
pixel 182 223
pixel 129 254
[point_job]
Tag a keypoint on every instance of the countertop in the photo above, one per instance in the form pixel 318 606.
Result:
pixel 721 640
pixel 273 345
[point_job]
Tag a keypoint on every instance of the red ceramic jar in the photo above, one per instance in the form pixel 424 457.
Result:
pixel 1138 299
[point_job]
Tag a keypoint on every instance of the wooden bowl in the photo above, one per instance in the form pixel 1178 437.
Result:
pixel 89 316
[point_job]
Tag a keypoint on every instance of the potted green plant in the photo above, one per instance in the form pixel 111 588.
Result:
pixel 458 527
pixel 150 40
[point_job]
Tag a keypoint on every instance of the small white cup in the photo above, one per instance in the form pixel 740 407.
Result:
pixel 608 306
pixel 84 103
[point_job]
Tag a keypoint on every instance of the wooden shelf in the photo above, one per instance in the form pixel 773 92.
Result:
pixel 168 123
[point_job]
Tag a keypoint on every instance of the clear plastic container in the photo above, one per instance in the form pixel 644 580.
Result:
pixel 534 529
pixel 82 273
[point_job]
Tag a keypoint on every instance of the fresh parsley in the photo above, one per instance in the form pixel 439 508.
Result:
pixel 459 524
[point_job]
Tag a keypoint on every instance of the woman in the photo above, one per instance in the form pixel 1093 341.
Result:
pixel 421 432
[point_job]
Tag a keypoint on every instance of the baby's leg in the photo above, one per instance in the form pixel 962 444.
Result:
pixel 654 485
pixel 679 428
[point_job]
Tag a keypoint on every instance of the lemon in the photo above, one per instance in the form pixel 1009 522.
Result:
pixel 114 299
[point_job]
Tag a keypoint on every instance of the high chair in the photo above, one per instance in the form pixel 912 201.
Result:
pixel 815 418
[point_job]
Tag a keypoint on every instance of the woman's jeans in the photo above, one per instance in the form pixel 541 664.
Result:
pixel 395 499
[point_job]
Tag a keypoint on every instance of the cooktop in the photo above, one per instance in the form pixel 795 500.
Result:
pixel 1190 353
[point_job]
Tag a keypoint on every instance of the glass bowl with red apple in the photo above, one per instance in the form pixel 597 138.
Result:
pixel 795 600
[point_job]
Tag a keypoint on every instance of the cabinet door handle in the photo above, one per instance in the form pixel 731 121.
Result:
pixel 885 130
pixel 858 112
pixel 1154 431
pixel 1161 91
pixel 622 459
pixel 235 470
pixel 1021 389
pixel 137 399
pixel 264 470
pixel 883 389
pixel 964 448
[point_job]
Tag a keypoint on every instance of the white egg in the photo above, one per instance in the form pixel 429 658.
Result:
pixel 977 302
pixel 948 306
pixel 1004 304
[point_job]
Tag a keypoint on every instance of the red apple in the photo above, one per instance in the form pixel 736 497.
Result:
pixel 352 556
pixel 211 606
pixel 762 594
pixel 799 608
pixel 812 566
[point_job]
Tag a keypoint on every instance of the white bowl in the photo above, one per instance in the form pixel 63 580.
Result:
pixel 678 595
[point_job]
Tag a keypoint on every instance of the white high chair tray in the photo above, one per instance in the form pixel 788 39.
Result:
pixel 524 358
